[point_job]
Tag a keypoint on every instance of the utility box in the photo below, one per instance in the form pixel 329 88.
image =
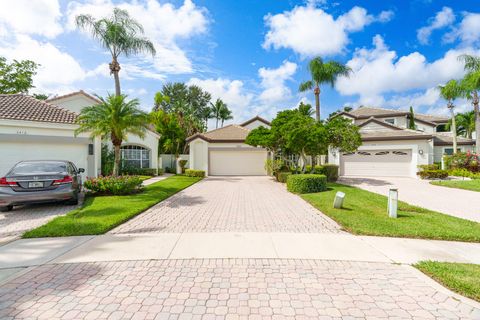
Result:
pixel 392 203
pixel 338 201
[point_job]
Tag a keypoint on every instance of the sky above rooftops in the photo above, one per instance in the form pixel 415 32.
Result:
pixel 253 54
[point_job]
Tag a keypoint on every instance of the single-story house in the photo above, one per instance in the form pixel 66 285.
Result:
pixel 223 152
pixel 135 151
pixel 389 148
pixel 32 129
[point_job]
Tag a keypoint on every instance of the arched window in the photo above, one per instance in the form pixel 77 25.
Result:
pixel 135 156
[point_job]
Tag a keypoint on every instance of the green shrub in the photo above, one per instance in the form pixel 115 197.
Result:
pixel 182 163
pixel 464 173
pixel 170 170
pixel 111 185
pixel 433 174
pixel 160 171
pixel 194 173
pixel 107 160
pixel 128 170
pixel 466 160
pixel 331 172
pixel 306 183
pixel 434 166
pixel 282 176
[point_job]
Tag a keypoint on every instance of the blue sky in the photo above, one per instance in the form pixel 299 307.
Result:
pixel 253 54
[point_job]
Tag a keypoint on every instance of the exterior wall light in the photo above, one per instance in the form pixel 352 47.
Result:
pixel 420 152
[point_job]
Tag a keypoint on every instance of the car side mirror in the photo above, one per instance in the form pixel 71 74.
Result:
pixel 81 170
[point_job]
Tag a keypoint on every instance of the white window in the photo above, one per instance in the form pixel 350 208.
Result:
pixel 390 120
pixel 135 156
pixel 449 151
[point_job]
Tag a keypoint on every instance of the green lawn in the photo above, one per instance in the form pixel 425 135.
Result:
pixel 365 213
pixel 463 278
pixel 473 185
pixel 100 214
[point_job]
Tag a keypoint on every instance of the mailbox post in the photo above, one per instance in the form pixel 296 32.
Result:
pixel 392 203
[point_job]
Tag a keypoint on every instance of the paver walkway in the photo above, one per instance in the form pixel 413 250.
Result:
pixel 229 289
pixel 226 204
pixel 455 202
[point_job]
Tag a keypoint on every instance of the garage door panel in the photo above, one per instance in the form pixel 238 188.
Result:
pixel 237 163
pixel 394 163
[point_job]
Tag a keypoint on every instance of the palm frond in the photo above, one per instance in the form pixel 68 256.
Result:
pixel 305 86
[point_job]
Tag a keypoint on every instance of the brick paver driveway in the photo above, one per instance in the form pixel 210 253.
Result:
pixel 23 218
pixel 227 289
pixel 228 204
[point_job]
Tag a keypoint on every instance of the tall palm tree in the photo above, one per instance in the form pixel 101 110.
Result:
pixel 225 114
pixel 120 34
pixel 451 91
pixel 465 123
pixel 217 109
pixel 206 114
pixel 471 84
pixel 114 117
pixel 323 72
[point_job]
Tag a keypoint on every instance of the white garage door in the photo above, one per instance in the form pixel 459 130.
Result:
pixel 19 151
pixel 380 163
pixel 237 163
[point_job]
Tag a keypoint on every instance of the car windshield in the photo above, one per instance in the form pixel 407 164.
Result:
pixel 38 167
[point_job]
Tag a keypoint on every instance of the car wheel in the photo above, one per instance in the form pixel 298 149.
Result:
pixel 6 209
pixel 73 201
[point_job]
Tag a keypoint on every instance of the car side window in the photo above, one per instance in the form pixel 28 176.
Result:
pixel 74 169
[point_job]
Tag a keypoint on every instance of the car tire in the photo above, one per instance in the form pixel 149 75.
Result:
pixel 6 209
pixel 73 201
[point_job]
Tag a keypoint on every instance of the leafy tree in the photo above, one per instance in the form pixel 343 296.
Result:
pixel 217 109
pixel 40 96
pixel 451 91
pixel 323 72
pixel 172 135
pixel 471 86
pixel 120 34
pixel 206 114
pixel 16 77
pixel 114 117
pixel 411 119
pixel 465 123
pixel 343 135
pixel 225 114
pixel 306 109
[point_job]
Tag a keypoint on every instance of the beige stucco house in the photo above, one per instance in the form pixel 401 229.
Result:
pixel 390 149
pixel 223 151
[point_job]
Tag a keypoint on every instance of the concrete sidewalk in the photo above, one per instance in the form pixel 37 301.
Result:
pixel 130 247
pixel 156 179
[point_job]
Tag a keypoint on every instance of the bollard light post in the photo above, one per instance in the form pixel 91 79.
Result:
pixel 338 201
pixel 392 203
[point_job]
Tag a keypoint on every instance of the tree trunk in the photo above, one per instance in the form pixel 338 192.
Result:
pixel 216 126
pixel 454 130
pixel 116 164
pixel 477 122
pixel 317 102
pixel 222 122
pixel 115 69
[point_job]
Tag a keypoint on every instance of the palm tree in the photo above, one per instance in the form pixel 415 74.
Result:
pixel 451 91
pixel 114 117
pixel 305 109
pixel 411 119
pixel 465 123
pixel 120 34
pixel 471 84
pixel 217 109
pixel 321 72
pixel 206 114
pixel 225 114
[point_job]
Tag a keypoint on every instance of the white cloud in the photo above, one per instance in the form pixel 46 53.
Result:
pixel 379 70
pixel 273 82
pixel 442 19
pixel 232 92
pixel 164 25
pixel 58 70
pixel 468 30
pixel 311 31
pixel 39 17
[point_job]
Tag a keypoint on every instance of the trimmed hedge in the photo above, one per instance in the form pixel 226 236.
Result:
pixel 282 176
pixel 433 174
pixel 139 171
pixel 111 185
pixel 306 183
pixel 329 170
pixel 194 173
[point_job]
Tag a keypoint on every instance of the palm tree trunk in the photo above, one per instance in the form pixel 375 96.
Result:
pixel 222 122
pixel 454 131
pixel 477 122
pixel 317 102
pixel 115 69
pixel 116 164
pixel 216 126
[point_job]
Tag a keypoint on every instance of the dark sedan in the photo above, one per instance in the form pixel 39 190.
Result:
pixel 40 181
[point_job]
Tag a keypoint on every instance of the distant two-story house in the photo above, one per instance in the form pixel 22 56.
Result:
pixel 390 149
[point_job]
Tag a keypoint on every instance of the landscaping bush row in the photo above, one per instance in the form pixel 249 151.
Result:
pixel 282 176
pixel 306 183
pixel 141 171
pixel 110 185
pixel 194 173
pixel 463 160
pixel 329 170
pixel 433 174
pixel 464 173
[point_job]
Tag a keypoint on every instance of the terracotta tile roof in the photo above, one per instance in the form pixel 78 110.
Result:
pixel 404 134
pixel 23 107
pixel 367 112
pixel 446 139
pixel 80 92
pixel 230 133
pixel 254 119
